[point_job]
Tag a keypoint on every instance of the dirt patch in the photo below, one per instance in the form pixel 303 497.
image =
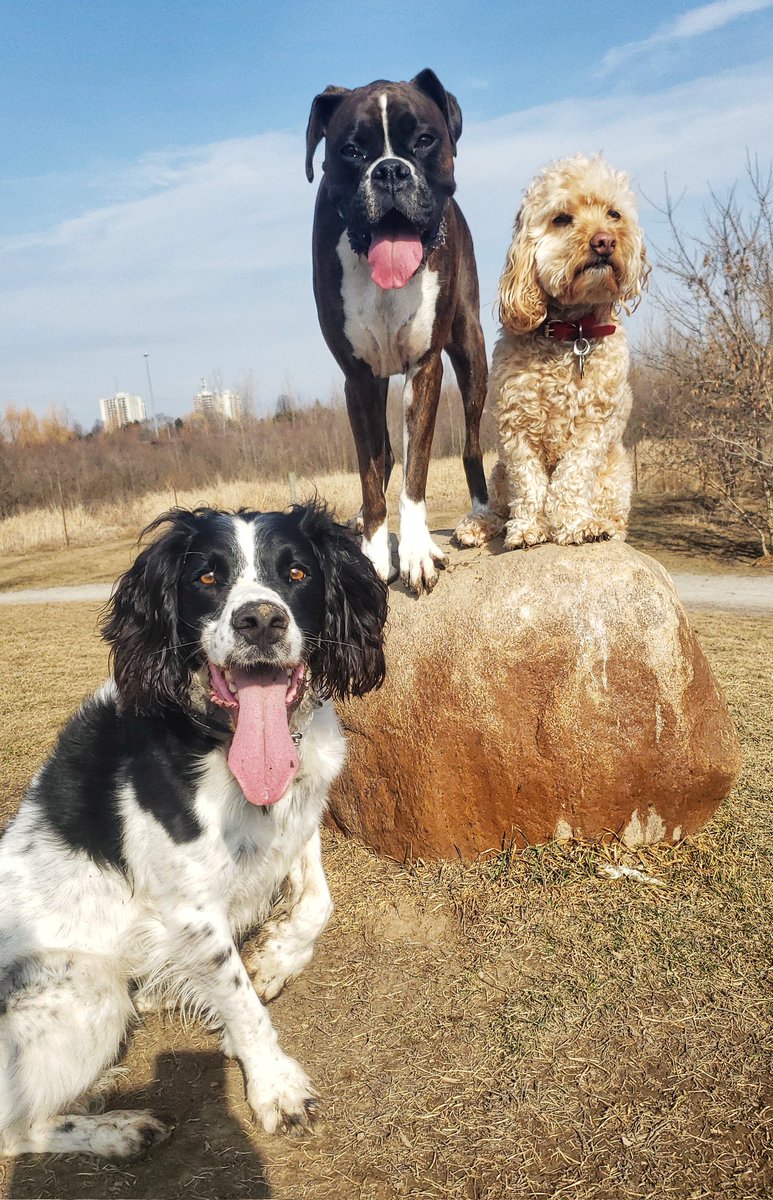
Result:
pixel 690 533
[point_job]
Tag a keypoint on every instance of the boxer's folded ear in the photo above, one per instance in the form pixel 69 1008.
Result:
pixel 322 108
pixel 427 81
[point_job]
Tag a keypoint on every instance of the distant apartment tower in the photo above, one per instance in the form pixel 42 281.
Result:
pixel 224 406
pixel 121 409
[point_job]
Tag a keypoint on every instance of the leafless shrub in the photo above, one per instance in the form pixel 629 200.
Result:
pixel 711 361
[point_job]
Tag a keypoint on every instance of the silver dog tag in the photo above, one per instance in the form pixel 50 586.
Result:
pixel 581 349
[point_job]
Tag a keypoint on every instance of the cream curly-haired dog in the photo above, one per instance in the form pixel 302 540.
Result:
pixel 559 375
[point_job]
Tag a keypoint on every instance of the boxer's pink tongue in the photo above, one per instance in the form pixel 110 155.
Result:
pixel 394 259
pixel 262 756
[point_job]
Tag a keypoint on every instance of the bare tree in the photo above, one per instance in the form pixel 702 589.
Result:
pixel 714 352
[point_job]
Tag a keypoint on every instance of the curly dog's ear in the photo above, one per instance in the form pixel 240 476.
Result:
pixel 348 659
pixel 140 621
pixel 634 281
pixel 522 302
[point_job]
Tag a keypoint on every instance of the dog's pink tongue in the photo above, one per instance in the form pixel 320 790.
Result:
pixel 262 755
pixel 394 260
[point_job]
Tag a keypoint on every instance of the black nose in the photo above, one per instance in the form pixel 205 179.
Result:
pixel 261 623
pixel 391 174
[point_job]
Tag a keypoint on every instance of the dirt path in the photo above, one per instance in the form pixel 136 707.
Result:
pixel 57 595
pixel 726 592
pixel 734 593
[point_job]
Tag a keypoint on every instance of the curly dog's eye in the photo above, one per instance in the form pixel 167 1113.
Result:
pixel 563 219
pixel 297 574
pixel 208 578
pixel 614 214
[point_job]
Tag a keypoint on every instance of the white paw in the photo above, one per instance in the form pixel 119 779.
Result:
pixel 478 527
pixel 376 549
pixel 282 1096
pixel 115 1134
pixel 140 1131
pixel 419 570
pixel 524 531
pixel 573 533
pixel 419 556
pixel 272 969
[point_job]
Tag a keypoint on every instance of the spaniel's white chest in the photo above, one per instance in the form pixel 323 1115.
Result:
pixel 389 329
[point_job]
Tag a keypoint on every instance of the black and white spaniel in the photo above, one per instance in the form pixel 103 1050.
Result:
pixel 180 804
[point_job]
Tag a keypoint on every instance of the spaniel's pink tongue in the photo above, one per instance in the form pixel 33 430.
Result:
pixel 394 259
pixel 262 756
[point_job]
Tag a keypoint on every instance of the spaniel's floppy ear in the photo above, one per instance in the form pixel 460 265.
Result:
pixel 141 625
pixel 322 108
pixel 522 303
pixel 348 659
pixel 427 81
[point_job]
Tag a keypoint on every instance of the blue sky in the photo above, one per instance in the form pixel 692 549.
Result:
pixel 152 192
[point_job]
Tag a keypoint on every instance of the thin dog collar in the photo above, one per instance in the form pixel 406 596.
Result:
pixel 572 331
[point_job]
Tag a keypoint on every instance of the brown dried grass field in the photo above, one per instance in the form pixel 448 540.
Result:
pixel 525 1027
pixel 676 529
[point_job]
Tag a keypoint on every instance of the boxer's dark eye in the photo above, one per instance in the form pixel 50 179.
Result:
pixel 349 150
pixel 424 142
pixel 563 219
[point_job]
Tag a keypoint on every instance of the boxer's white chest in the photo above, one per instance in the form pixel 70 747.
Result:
pixel 390 330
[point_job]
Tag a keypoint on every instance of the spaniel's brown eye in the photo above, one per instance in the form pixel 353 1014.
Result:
pixel 614 214
pixel 208 578
pixel 563 219
pixel 297 574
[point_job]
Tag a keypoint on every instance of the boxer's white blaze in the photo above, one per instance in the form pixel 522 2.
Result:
pixel 388 151
pixel 382 103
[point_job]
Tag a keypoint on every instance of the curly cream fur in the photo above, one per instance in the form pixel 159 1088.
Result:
pixel 563 474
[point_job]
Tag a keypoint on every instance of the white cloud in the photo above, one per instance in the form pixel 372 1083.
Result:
pixel 206 262
pixel 193 267
pixel 690 24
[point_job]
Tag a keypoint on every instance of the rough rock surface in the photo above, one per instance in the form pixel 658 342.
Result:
pixel 552 692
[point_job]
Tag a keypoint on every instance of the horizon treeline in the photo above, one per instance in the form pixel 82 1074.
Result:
pixel 50 461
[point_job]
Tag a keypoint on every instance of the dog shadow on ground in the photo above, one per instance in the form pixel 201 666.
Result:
pixel 208 1154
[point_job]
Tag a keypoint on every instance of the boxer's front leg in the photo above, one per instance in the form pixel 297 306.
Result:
pixel 419 556
pixel 366 399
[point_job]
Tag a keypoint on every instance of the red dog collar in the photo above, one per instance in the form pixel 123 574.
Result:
pixel 572 331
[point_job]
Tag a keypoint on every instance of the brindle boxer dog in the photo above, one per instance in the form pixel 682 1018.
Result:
pixel 396 284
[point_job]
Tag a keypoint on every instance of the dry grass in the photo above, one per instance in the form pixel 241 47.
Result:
pixel 42 529
pixel 679 531
pixel 520 1028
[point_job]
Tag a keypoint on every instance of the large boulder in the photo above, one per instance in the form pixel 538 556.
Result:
pixel 535 694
